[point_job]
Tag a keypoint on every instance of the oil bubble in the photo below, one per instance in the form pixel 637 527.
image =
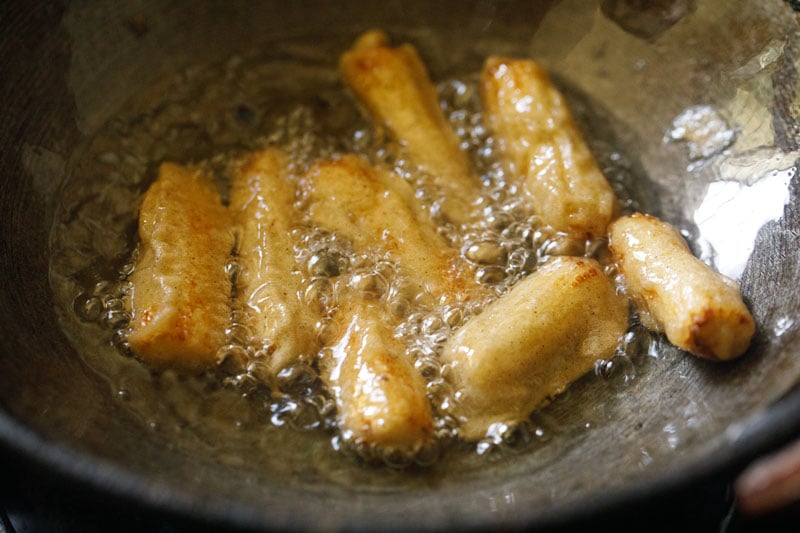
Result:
pixel 485 253
pixel 88 308
pixel 490 275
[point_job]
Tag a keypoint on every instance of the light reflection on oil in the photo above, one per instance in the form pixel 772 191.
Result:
pixel 733 212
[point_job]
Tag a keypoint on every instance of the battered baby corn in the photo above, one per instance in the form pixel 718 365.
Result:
pixel 538 134
pixel 381 398
pixel 394 87
pixel 180 294
pixel 546 332
pixel 269 283
pixel 376 209
pixel 699 310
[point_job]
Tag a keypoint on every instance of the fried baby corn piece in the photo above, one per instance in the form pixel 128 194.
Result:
pixel 538 135
pixel 180 294
pixel 381 398
pixel 699 310
pixel 376 209
pixel 269 283
pixel 393 86
pixel 527 346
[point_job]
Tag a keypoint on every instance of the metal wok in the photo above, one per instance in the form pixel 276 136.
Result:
pixel 69 68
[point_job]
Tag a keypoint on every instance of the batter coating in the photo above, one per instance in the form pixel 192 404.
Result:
pixel 376 209
pixel 527 346
pixel 394 87
pixel 180 293
pixel 380 396
pixel 700 310
pixel 269 282
pixel 538 135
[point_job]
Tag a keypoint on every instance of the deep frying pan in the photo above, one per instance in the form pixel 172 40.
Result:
pixel 68 68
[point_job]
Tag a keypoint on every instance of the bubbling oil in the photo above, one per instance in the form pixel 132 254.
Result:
pixel 211 117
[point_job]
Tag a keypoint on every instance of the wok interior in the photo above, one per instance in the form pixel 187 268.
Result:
pixel 69 70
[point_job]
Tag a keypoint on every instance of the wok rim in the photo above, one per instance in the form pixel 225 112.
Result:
pixel 762 432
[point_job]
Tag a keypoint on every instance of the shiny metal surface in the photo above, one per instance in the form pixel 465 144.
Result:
pixel 69 67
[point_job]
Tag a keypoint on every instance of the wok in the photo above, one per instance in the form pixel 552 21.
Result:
pixel 70 67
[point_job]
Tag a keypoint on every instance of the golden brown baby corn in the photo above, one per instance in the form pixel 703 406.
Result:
pixel 380 396
pixel 546 332
pixel 394 87
pixel 538 134
pixel 269 282
pixel 180 293
pixel 376 209
pixel 699 310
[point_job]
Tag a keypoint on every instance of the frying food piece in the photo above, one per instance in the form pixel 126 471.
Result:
pixel 376 209
pixel 380 396
pixel 527 346
pixel 394 87
pixel 538 134
pixel 269 282
pixel 700 310
pixel 180 293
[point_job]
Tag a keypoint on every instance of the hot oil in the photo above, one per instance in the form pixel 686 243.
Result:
pixel 290 96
